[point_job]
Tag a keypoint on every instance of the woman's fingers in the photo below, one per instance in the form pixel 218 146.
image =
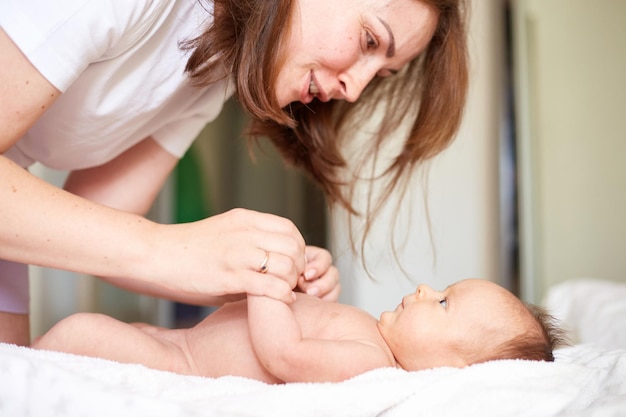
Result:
pixel 240 251
pixel 243 251
pixel 269 233
pixel 326 287
pixel 277 265
pixel 267 285
pixel 321 278
pixel 318 261
pixel 333 294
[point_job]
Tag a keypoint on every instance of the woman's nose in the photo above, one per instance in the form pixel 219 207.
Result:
pixel 354 81
pixel 353 90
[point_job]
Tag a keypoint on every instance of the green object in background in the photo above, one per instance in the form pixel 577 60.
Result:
pixel 191 192
pixel 191 204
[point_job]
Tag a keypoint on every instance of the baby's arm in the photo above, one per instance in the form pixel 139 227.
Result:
pixel 101 336
pixel 281 349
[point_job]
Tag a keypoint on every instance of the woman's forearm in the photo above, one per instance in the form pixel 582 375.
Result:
pixel 195 262
pixel 44 225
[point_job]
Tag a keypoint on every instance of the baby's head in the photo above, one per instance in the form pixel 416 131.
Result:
pixel 469 322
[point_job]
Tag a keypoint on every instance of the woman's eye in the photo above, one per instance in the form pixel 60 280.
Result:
pixel 370 41
pixel 386 73
pixel 444 303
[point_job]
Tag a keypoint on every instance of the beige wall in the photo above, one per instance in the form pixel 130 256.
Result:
pixel 571 64
pixel 462 196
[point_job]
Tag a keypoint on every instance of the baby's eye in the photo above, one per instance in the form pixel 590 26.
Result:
pixel 444 303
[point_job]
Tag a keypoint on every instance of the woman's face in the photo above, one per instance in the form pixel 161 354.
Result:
pixel 336 47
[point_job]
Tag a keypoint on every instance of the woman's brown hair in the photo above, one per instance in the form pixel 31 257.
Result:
pixel 244 42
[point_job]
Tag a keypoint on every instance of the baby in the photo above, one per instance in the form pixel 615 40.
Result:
pixel 469 322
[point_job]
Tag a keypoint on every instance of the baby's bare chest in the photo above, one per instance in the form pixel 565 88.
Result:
pixel 317 319
pixel 326 320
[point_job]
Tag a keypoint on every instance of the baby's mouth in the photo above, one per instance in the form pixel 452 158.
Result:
pixel 313 89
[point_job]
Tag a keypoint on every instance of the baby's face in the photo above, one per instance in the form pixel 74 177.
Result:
pixel 425 330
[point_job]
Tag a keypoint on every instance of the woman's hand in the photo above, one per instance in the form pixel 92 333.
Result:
pixel 240 251
pixel 320 278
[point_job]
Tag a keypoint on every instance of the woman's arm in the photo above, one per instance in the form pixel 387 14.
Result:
pixel 43 225
pixel 24 93
pixel 46 226
pixel 130 182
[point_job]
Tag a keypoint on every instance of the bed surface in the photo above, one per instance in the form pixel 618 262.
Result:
pixel 587 379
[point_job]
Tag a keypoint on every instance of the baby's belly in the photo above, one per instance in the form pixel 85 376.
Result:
pixel 221 346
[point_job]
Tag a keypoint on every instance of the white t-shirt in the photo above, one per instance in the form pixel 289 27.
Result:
pixel 121 71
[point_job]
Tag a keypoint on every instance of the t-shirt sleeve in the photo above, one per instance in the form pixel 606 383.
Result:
pixel 62 38
pixel 178 136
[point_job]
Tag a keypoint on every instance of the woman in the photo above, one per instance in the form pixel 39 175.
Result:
pixel 98 88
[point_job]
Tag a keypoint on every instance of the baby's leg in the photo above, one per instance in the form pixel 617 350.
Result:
pixel 98 335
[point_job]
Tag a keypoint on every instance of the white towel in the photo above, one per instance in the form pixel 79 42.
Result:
pixel 39 383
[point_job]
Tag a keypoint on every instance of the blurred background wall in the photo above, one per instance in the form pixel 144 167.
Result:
pixel 570 61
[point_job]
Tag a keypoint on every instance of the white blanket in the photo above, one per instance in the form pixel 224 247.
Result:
pixel 585 380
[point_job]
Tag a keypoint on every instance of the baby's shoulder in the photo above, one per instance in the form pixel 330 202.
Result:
pixel 327 319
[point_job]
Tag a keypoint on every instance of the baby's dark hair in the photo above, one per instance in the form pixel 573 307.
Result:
pixel 536 344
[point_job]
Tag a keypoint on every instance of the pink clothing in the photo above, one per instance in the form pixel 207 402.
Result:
pixel 14 295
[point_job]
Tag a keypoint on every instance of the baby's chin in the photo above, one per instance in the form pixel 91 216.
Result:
pixel 385 316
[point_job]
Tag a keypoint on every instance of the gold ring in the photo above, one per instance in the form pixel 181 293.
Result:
pixel 263 268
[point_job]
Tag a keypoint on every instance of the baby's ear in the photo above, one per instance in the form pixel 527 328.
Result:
pixel 464 355
pixel 448 358
pixel 458 359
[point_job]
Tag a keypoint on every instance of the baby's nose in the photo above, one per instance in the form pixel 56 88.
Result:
pixel 424 291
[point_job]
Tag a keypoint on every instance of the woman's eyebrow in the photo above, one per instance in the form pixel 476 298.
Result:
pixel 391 50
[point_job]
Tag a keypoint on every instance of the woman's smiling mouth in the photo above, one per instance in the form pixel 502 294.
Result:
pixel 314 90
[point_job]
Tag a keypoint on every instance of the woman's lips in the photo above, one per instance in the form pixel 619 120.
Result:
pixel 313 87
pixel 312 90
pixel 305 95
